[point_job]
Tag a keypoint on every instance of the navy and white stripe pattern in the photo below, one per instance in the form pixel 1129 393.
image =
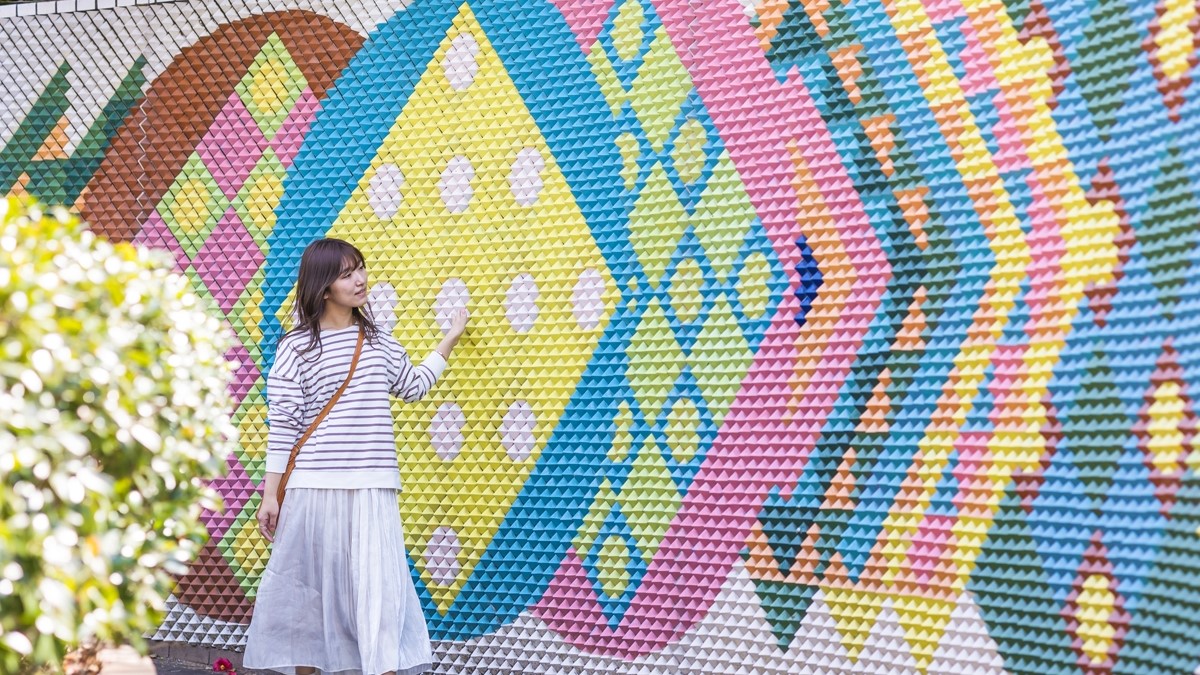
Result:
pixel 355 445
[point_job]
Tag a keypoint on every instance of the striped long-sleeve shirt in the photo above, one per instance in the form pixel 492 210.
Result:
pixel 355 445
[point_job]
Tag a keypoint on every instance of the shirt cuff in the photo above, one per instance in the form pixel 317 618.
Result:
pixel 436 363
pixel 277 461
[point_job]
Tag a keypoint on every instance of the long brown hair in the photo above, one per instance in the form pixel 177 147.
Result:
pixel 325 260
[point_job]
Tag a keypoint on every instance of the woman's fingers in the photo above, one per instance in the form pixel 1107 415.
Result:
pixel 266 523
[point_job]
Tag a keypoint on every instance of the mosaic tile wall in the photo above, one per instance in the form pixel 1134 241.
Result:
pixel 852 336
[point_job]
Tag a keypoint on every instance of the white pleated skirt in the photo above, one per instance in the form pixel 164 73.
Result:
pixel 336 594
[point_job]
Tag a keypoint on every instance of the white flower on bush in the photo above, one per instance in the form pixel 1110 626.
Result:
pixel 114 411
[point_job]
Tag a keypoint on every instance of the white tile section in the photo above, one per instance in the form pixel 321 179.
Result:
pixel 109 35
pixel 734 639
pixel 383 301
pixel 181 623
pixel 460 63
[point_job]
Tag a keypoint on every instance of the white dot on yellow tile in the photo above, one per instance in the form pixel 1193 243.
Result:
pixel 446 430
pixel 517 431
pixel 521 306
pixel 455 185
pixel 383 301
pixel 525 176
pixel 441 556
pixel 460 62
pixel 453 296
pixel 587 299
pixel 383 192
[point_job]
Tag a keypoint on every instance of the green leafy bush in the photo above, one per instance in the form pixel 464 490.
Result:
pixel 114 406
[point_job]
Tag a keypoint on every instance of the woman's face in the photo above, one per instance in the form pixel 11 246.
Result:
pixel 349 290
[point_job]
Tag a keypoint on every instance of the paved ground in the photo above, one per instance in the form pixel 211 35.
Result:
pixel 176 658
pixel 168 666
pixel 174 667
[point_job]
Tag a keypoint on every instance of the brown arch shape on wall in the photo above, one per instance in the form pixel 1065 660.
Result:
pixel 163 129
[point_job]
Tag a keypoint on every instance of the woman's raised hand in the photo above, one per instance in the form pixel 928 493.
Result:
pixel 458 322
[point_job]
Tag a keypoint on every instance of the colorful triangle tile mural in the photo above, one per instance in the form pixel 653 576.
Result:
pixel 809 335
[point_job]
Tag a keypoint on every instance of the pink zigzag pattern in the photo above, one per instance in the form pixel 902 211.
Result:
pixel 707 534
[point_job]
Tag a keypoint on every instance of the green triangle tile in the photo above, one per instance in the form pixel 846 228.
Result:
pixel 655 360
pixel 622 438
pixel 255 203
pixel 754 292
pixel 649 499
pixel 1108 55
pixel 659 90
pixel 657 222
pixel 201 289
pixel 627 145
pixel 610 85
pixel 627 32
pixel 688 151
pixel 193 205
pixel 271 86
pixel 723 217
pixel 720 349
pixel 612 566
pixel 597 513
pixel 685 290
pixel 1168 230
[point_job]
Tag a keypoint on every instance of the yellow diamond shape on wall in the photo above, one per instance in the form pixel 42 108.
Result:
pixel 464 205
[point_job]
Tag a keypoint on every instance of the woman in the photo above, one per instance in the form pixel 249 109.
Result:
pixel 336 594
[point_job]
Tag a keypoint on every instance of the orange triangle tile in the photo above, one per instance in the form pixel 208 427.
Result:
pixel 816 13
pixel 845 60
pixel 879 132
pixel 840 493
pixel 20 188
pixel 55 145
pixel 909 337
pixel 875 417
pixel 770 15
pixel 916 213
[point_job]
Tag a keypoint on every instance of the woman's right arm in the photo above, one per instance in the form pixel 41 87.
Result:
pixel 285 423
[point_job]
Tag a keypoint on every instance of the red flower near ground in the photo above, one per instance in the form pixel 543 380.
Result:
pixel 223 666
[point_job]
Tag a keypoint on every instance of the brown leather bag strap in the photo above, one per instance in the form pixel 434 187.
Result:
pixel 324 411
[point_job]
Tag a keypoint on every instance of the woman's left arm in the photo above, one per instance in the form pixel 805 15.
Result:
pixel 414 382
